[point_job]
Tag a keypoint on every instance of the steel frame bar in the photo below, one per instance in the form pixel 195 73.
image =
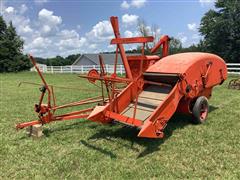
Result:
pixel 82 102
pixel 61 87
pixel 164 41
pixel 46 113
pixel 144 57
pixel 74 113
pixel 132 40
pixel 107 78
pixel 114 22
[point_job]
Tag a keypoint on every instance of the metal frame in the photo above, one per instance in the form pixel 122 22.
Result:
pixel 183 91
pixel 46 111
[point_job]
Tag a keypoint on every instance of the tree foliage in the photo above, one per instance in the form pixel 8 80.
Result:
pixel 11 46
pixel 221 30
pixel 175 45
pixel 58 60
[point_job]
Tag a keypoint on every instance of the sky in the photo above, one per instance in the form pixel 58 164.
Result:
pixel 64 27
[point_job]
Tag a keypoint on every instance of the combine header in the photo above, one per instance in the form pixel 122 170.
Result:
pixel 155 87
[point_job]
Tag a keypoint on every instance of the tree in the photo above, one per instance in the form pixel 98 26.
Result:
pixel 221 30
pixel 145 30
pixel 58 60
pixel 3 27
pixel 11 46
pixel 175 46
pixel 71 59
pixel 142 28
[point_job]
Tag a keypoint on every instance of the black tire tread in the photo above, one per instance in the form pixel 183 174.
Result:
pixel 195 111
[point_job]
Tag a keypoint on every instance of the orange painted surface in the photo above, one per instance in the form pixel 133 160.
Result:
pixel 198 73
pixel 178 79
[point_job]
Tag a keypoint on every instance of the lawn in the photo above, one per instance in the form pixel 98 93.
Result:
pixel 81 149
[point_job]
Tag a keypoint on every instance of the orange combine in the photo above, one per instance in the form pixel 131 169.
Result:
pixel 155 87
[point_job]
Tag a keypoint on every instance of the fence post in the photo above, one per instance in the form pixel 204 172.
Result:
pixel 61 69
pixel 94 67
pixel 107 68
pixel 121 69
pixel 52 69
pixel 71 69
pixel 82 69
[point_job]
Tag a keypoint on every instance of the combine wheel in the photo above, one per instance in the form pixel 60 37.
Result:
pixel 200 110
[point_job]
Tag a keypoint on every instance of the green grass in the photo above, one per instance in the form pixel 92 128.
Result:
pixel 81 149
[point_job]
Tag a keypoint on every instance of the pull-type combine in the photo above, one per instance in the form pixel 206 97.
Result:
pixel 155 88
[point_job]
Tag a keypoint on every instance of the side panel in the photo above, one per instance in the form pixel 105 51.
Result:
pixel 117 105
pixel 153 127
pixel 203 75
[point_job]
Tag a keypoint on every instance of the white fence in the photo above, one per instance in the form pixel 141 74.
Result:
pixel 78 69
pixel 233 68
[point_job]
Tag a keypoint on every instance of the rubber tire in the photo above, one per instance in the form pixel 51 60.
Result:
pixel 201 102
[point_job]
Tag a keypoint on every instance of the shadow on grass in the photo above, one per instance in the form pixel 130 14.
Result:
pixel 212 108
pixel 178 121
pixel 77 125
pixel 103 151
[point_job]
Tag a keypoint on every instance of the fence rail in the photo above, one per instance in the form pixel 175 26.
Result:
pixel 233 68
pixel 78 69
